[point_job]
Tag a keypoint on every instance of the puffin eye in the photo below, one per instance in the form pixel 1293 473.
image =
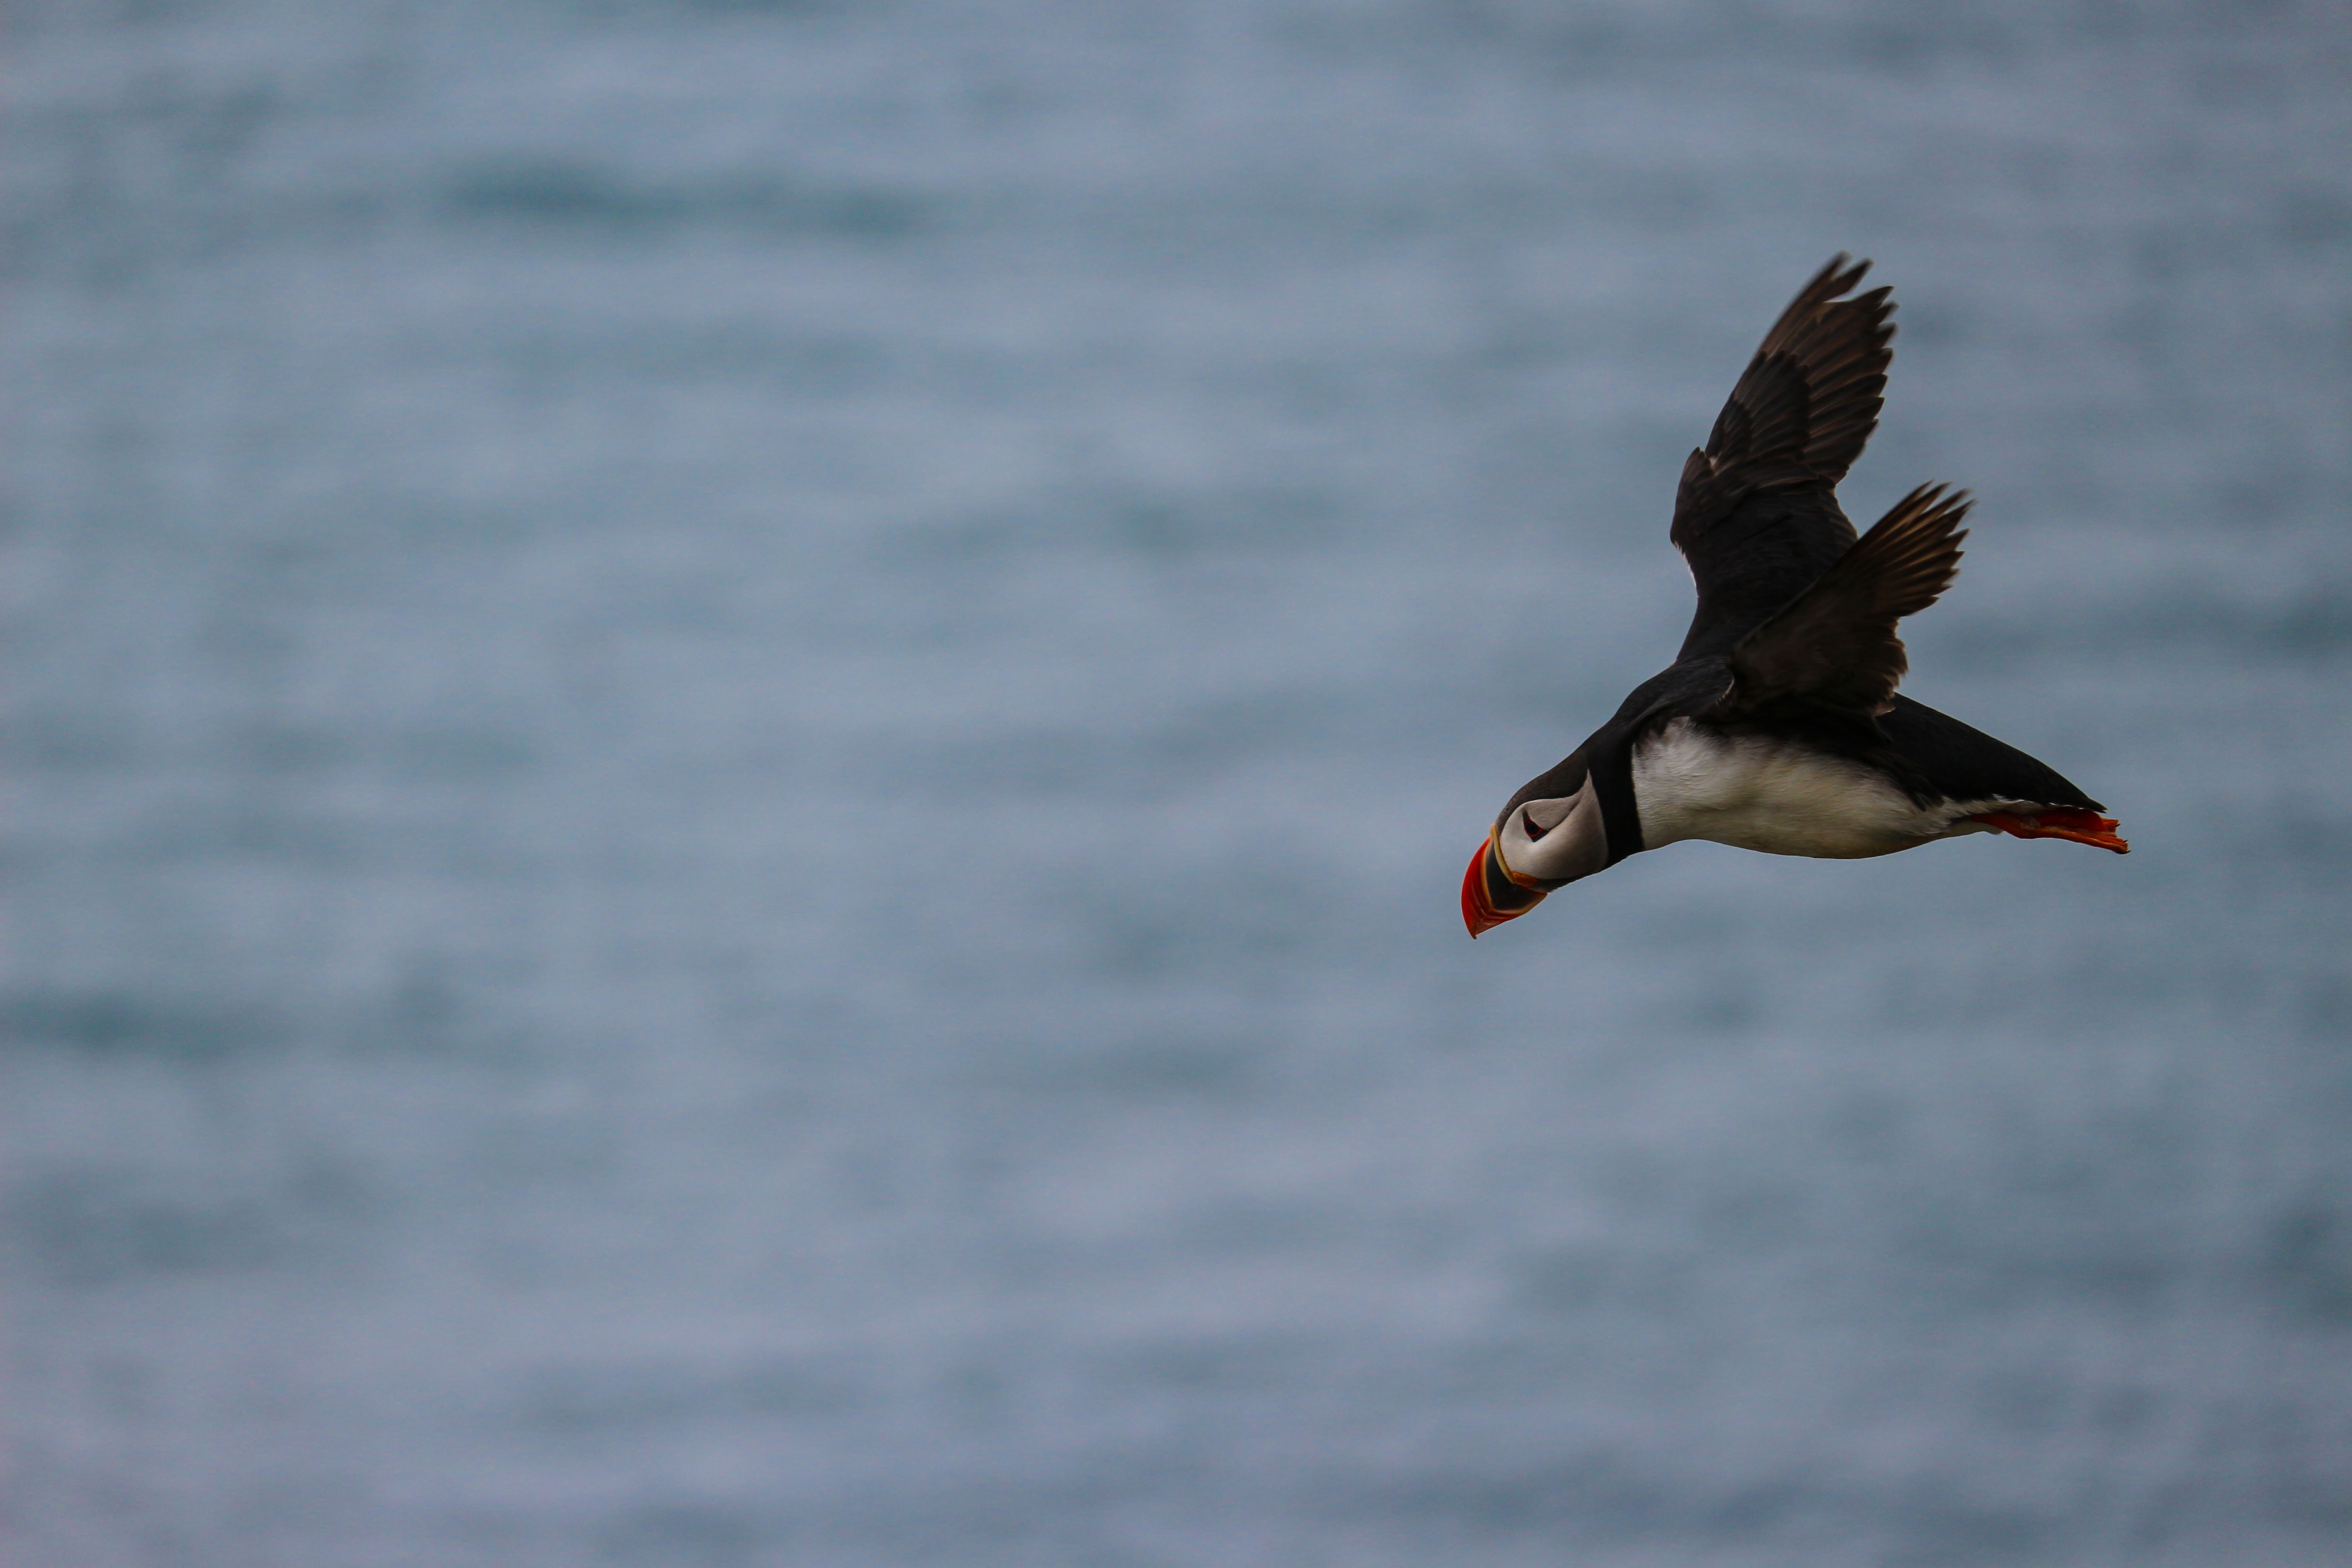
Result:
pixel 1538 817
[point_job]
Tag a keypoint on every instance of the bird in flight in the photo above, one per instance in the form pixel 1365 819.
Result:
pixel 1778 726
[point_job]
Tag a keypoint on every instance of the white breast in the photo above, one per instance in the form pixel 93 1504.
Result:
pixel 1779 796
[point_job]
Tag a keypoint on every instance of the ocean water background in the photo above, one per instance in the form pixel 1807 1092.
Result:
pixel 740 737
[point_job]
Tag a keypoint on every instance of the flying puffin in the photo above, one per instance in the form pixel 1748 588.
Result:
pixel 1778 727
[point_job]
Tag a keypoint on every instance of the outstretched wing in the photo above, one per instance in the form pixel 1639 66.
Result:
pixel 1757 516
pixel 1833 647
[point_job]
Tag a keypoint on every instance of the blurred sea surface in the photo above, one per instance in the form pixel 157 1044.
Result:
pixel 739 738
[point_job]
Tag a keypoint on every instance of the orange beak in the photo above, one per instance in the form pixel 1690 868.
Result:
pixel 1490 894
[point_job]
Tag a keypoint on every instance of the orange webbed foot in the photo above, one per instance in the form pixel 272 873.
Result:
pixel 2058 822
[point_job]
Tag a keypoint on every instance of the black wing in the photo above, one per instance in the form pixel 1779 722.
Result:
pixel 1939 758
pixel 1757 515
pixel 1833 645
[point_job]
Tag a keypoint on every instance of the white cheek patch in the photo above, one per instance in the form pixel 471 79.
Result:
pixel 1568 841
pixel 1540 817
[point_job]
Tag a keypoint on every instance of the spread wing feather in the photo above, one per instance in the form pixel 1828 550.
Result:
pixel 1756 516
pixel 1833 645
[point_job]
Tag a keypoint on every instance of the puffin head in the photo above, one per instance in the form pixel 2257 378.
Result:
pixel 1549 836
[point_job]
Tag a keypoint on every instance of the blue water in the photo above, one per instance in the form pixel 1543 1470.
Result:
pixel 740 736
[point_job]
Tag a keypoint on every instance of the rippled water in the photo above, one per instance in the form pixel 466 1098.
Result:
pixel 740 739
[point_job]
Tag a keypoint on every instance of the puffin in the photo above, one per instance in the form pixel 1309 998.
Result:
pixel 1778 727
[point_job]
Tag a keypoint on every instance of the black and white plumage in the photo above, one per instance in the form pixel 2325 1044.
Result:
pixel 1778 727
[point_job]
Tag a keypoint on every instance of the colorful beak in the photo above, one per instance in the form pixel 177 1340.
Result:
pixel 1490 894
